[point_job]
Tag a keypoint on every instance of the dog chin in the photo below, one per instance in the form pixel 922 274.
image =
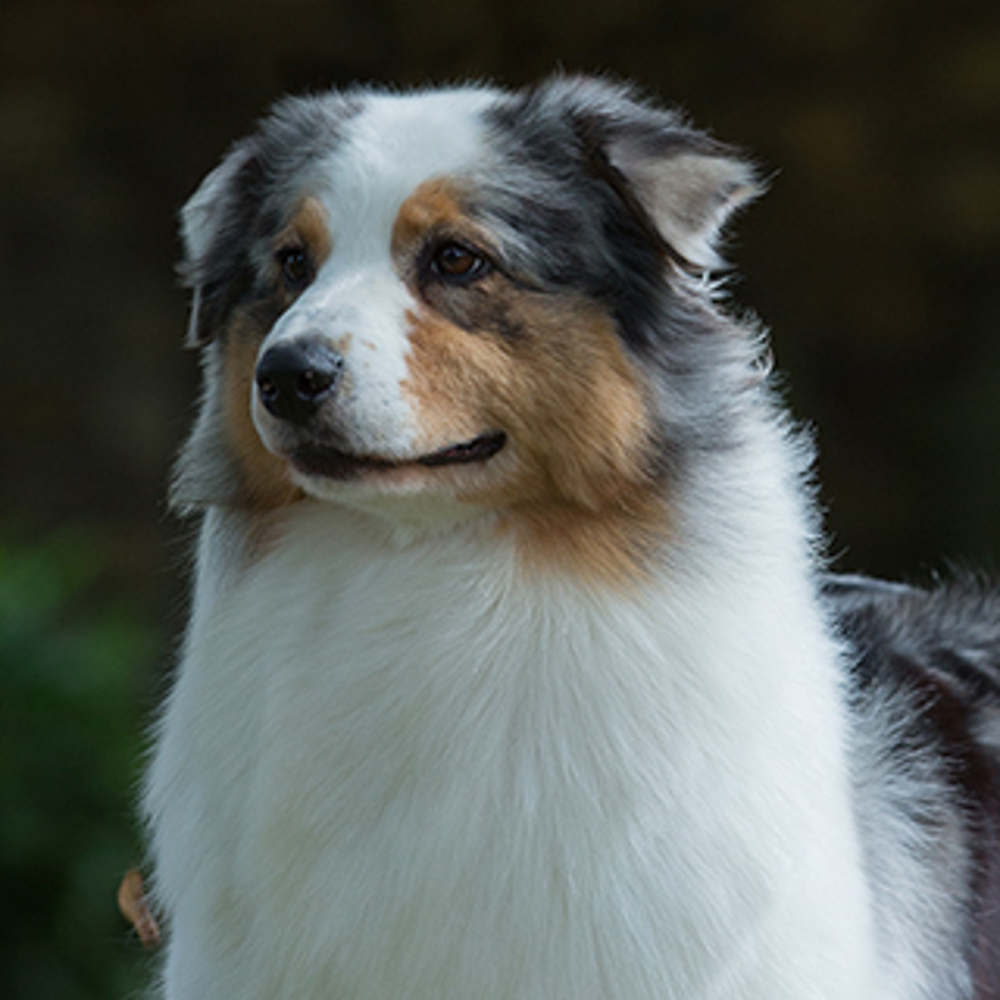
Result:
pixel 411 501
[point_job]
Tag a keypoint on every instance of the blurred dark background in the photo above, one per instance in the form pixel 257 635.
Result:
pixel 875 260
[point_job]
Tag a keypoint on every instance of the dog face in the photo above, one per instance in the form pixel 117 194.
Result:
pixel 477 299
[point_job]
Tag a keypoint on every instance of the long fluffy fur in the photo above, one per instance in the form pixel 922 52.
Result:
pixel 578 720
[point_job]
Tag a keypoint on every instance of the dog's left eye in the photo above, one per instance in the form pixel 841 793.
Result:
pixel 458 263
pixel 296 267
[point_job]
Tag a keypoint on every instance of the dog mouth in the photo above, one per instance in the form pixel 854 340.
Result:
pixel 332 463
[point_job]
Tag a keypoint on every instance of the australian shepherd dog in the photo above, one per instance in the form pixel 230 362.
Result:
pixel 513 671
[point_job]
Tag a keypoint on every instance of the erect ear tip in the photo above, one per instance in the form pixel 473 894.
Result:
pixel 745 180
pixel 737 183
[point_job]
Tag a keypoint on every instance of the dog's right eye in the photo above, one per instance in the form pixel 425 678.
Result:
pixel 296 268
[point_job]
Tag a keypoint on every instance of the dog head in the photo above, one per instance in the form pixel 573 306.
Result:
pixel 460 298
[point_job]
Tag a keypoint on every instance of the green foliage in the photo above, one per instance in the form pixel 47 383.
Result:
pixel 74 662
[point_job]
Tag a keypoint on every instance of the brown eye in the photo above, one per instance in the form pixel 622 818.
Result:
pixel 458 263
pixel 296 268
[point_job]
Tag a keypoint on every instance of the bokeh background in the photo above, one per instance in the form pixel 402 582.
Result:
pixel 875 260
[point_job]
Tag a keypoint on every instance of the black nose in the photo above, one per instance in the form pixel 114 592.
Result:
pixel 294 379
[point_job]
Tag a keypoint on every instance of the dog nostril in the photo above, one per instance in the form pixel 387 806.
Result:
pixel 267 387
pixel 294 379
pixel 313 383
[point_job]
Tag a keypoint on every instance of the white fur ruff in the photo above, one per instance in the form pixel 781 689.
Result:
pixel 423 775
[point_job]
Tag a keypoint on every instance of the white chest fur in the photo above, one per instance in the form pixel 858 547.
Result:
pixel 401 769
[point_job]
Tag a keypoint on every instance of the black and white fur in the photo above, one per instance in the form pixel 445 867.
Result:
pixel 511 670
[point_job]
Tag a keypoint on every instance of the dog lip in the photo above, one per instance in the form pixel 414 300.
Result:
pixel 479 449
pixel 332 463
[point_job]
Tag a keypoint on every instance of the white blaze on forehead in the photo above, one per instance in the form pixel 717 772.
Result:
pixel 391 147
pixel 387 150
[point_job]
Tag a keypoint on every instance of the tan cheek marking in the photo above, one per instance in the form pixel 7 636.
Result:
pixel 264 477
pixel 452 379
pixel 579 494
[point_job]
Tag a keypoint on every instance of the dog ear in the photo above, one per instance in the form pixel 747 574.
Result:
pixel 689 193
pixel 684 183
pixel 214 226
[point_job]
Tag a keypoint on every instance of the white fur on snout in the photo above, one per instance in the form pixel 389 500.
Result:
pixel 361 314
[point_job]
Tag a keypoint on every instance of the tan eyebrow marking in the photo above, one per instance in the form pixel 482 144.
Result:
pixel 309 225
pixel 435 203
